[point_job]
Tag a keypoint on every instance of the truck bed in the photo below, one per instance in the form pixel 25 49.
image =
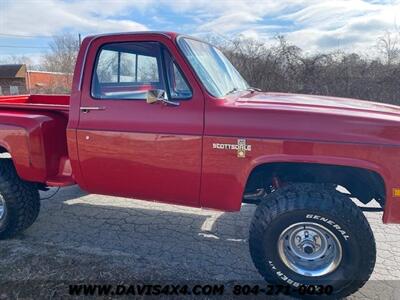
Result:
pixel 33 131
pixel 46 102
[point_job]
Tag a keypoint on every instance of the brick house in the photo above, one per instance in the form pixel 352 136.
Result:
pixel 12 79
pixel 16 79
pixel 48 82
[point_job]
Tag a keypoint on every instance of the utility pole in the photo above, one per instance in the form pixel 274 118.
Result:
pixel 79 39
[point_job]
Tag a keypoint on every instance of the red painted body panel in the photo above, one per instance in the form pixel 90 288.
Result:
pixel 309 129
pixel 165 153
pixel 61 100
pixel 148 166
pixel 220 169
pixel 36 141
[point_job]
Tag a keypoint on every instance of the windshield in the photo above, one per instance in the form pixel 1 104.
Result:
pixel 212 67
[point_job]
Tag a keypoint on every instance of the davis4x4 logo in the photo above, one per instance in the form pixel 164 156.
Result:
pixel 241 147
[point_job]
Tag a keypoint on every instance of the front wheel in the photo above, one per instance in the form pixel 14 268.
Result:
pixel 306 235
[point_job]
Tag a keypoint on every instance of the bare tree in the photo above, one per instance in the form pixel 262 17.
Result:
pixel 283 67
pixel 62 56
pixel 389 46
pixel 16 59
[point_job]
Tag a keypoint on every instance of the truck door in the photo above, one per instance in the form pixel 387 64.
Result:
pixel 126 146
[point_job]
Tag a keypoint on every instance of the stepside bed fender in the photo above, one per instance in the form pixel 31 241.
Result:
pixel 35 141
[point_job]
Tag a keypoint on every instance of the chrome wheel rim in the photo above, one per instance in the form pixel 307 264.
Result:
pixel 3 208
pixel 309 249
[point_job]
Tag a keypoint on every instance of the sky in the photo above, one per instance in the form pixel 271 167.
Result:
pixel 26 26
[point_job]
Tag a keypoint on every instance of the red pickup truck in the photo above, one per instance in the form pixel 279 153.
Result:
pixel 166 117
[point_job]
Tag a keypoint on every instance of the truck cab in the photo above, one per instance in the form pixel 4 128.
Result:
pixel 120 138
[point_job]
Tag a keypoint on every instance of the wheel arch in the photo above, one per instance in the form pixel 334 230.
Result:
pixel 18 151
pixel 9 152
pixel 353 174
pixel 5 151
pixel 4 148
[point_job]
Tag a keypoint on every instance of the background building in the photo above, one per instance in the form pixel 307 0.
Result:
pixel 13 79
pixel 16 79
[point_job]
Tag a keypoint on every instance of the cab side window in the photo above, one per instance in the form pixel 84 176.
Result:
pixel 178 87
pixel 127 71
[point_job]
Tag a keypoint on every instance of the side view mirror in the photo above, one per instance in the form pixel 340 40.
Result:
pixel 159 96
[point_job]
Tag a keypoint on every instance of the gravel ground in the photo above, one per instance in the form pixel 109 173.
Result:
pixel 93 238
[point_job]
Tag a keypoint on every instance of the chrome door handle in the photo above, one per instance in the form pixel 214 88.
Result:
pixel 86 109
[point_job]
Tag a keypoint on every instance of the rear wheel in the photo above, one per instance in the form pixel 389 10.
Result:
pixel 305 234
pixel 19 201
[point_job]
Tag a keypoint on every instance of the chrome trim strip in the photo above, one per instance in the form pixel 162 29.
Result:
pixel 87 108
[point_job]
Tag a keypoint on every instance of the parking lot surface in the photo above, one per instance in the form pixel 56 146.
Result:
pixel 80 237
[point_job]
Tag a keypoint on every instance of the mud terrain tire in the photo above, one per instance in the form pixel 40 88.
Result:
pixel 303 210
pixel 19 201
